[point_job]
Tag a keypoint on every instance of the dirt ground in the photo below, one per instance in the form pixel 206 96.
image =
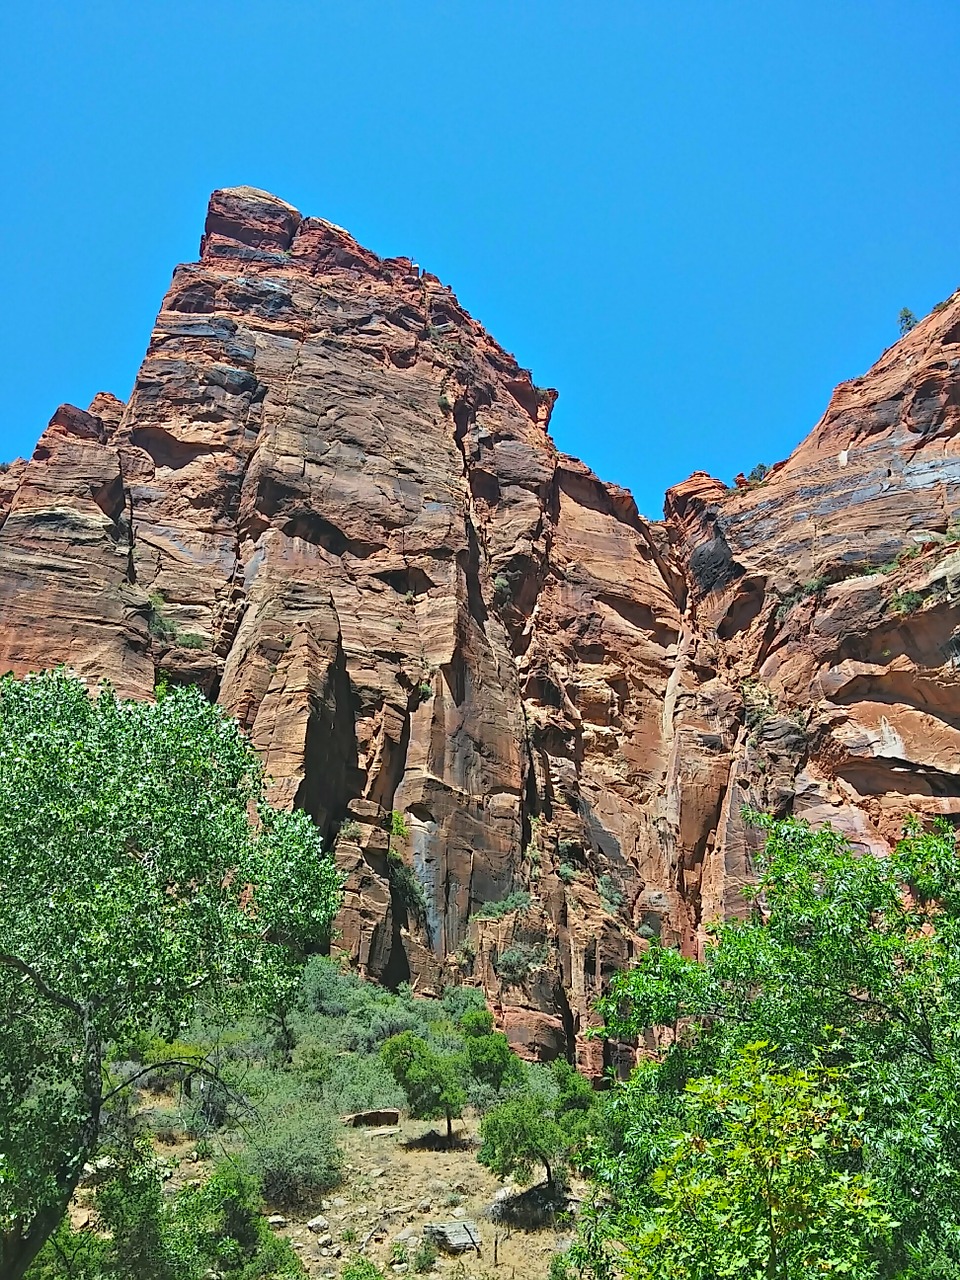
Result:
pixel 392 1185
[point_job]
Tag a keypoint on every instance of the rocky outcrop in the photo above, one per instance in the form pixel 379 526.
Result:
pixel 824 596
pixel 527 717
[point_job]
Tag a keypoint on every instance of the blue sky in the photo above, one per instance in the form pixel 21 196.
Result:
pixel 692 217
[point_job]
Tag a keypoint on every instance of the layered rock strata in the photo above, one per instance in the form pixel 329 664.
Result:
pixel 527 717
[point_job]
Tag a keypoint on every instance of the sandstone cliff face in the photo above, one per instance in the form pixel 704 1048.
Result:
pixel 825 596
pixel 332 501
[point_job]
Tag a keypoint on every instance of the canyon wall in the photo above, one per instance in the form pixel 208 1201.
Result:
pixel 332 501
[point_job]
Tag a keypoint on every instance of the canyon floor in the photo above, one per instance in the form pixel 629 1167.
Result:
pixel 393 1183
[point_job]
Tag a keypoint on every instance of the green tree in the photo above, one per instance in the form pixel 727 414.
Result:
pixel 757 1185
pixel 489 1058
pixel 906 320
pixel 519 1134
pixel 134 885
pixel 549 1126
pixel 845 960
pixel 432 1079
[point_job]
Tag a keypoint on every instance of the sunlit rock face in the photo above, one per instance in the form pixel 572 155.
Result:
pixel 332 501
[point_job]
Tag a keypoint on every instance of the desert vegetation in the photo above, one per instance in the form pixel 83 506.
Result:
pixel 793 1110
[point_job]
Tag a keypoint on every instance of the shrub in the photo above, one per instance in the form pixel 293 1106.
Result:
pixel 502 591
pixel 517 901
pixel 904 602
pixel 759 472
pixel 567 873
pixel 610 895
pixel 561 1267
pixel 906 321
pixel 159 625
pixel 398 826
pixel 516 963
pixel 213 1229
pixel 350 830
pixel 293 1149
pixel 360 1269
pixel 191 640
pixel 408 888
pixel 425 690
pixel 425 1257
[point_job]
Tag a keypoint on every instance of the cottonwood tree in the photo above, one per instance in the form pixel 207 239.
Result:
pixel 550 1127
pixel 848 963
pixel 432 1079
pixel 141 872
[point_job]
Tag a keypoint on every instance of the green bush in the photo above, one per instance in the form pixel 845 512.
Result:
pixel 191 640
pixel 517 962
pixel 502 591
pixel 610 895
pixel 215 1229
pixel 293 1152
pixel 361 1269
pixel 567 873
pixel 904 602
pixel 517 901
pixel 408 888
pixel 424 1257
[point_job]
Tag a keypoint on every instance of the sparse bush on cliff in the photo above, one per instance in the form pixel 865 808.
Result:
pixel 160 626
pixel 516 901
pixel 904 602
pixel 408 888
pixel 906 321
pixel 516 963
pixel 610 896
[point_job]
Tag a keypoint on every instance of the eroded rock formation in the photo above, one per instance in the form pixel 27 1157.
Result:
pixel 332 501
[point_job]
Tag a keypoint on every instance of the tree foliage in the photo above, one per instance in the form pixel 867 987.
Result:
pixel 549 1127
pixel 489 1058
pixel 134 884
pixel 432 1079
pixel 906 321
pixel 848 970
pixel 759 1183
pixel 216 1228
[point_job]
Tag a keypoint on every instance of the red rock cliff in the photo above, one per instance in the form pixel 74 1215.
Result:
pixel 333 502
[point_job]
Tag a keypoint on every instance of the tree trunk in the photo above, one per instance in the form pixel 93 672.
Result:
pixel 449 1129
pixel 20 1245
pixel 546 1165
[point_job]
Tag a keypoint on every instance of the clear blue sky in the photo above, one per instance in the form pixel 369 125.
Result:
pixel 693 217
